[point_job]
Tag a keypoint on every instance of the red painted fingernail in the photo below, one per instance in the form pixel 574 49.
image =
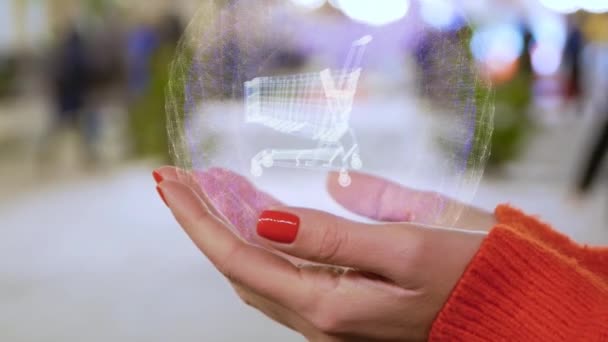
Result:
pixel 278 226
pixel 157 177
pixel 160 193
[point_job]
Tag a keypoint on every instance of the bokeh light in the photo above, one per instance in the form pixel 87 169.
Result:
pixel 440 14
pixel 546 59
pixel 379 12
pixel 498 46
pixel 571 6
pixel 310 4
pixel 594 6
pixel 550 34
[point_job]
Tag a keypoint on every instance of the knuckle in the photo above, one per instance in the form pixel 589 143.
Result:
pixel 202 218
pixel 332 240
pixel 245 297
pixel 226 263
pixel 328 321
pixel 404 296
pixel 435 202
pixel 385 195
pixel 247 300
pixel 411 254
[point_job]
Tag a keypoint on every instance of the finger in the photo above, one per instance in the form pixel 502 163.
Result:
pixel 408 254
pixel 240 201
pixel 215 178
pixel 168 172
pixel 227 188
pixel 329 239
pixel 255 268
pixel 383 200
pixel 187 177
pixel 236 198
pixel 229 195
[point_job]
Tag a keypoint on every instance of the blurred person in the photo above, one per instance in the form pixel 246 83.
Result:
pixel 504 276
pixel 597 154
pixel 141 43
pixel 69 79
pixel 596 29
pixel 105 70
pixel 572 59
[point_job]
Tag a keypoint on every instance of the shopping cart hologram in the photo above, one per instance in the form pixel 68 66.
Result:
pixel 314 106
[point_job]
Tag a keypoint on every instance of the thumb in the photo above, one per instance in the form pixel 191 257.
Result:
pixel 383 200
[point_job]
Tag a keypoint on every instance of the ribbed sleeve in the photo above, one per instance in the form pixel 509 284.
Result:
pixel 595 259
pixel 520 287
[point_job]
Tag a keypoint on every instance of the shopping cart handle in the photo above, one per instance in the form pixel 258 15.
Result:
pixel 363 40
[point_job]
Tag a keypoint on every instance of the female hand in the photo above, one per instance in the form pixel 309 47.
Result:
pixel 393 278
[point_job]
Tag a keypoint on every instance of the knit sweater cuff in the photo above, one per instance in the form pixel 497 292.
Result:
pixel 595 259
pixel 517 289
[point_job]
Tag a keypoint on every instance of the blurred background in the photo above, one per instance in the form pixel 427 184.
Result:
pixel 87 250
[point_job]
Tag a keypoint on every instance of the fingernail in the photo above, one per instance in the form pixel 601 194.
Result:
pixel 278 226
pixel 160 193
pixel 157 177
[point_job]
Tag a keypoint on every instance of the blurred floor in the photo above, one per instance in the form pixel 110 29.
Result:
pixel 97 257
pixel 102 260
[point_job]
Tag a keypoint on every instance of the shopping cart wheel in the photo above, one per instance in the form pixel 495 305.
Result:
pixel 267 161
pixel 356 162
pixel 344 179
pixel 256 170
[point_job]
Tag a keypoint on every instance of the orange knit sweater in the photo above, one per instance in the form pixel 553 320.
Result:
pixel 528 283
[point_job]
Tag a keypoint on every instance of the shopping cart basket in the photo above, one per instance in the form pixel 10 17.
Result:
pixel 314 106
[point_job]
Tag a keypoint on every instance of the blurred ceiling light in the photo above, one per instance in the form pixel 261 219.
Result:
pixel 440 14
pixel 497 46
pixel 546 59
pixel 309 4
pixel 550 33
pixel 595 6
pixel 561 6
pixel 379 12
pixel 571 6
pixel 549 29
pixel 334 3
